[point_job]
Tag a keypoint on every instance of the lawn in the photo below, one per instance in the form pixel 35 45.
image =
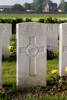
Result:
pixel 33 15
pixel 50 92
pixel 9 89
pixel 9 70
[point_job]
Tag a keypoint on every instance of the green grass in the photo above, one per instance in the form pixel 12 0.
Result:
pixel 33 15
pixel 35 98
pixel 48 98
pixel 9 81
pixel 51 65
pixel 9 72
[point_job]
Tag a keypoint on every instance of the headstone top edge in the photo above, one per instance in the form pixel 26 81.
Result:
pixel 63 24
pixel 8 24
pixel 37 23
pixel 52 23
pixel 30 23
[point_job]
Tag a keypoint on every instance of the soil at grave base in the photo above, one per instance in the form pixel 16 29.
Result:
pixel 51 90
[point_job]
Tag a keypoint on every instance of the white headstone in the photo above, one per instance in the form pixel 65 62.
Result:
pixel 7 31
pixel 63 50
pixel 4 28
pixel 1 37
pixel 31 54
pixel 52 36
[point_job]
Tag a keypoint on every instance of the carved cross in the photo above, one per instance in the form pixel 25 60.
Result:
pixel 32 51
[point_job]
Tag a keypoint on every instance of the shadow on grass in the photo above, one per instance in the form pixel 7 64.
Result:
pixel 10 59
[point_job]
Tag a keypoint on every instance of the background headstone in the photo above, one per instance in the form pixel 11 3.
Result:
pixel 7 31
pixel 63 49
pixel 52 36
pixel 31 54
pixel 1 37
pixel 4 30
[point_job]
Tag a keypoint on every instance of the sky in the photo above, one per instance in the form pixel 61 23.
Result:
pixel 12 2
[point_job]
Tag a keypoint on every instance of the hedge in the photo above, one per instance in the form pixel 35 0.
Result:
pixel 14 21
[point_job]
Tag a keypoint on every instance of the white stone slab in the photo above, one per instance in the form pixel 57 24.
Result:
pixel 63 49
pixel 4 29
pixel 31 54
pixel 0 59
pixel 7 31
pixel 52 36
pixel 1 42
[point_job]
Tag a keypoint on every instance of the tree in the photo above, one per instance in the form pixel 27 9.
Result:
pixel 65 7
pixel 18 7
pixel 27 6
pixel 38 5
pixel 62 5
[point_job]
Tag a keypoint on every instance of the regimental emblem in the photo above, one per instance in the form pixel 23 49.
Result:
pixel 32 50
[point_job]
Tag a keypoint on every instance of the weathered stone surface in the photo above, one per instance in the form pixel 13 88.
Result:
pixel 0 59
pixel 63 50
pixel 7 31
pixel 31 54
pixel 52 36
pixel 4 30
pixel 1 42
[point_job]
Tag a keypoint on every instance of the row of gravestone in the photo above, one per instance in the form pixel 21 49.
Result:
pixel 33 40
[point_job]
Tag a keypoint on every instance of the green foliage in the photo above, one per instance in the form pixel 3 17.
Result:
pixel 41 20
pixel 16 20
pixel 47 98
pixel 51 20
pixel 44 88
pixel 13 44
pixel 6 20
pixel 52 54
pixel 18 7
pixel 27 6
pixel 62 5
pixel 53 80
pixel 38 5
pixel 6 97
pixel 19 20
pixel 28 19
